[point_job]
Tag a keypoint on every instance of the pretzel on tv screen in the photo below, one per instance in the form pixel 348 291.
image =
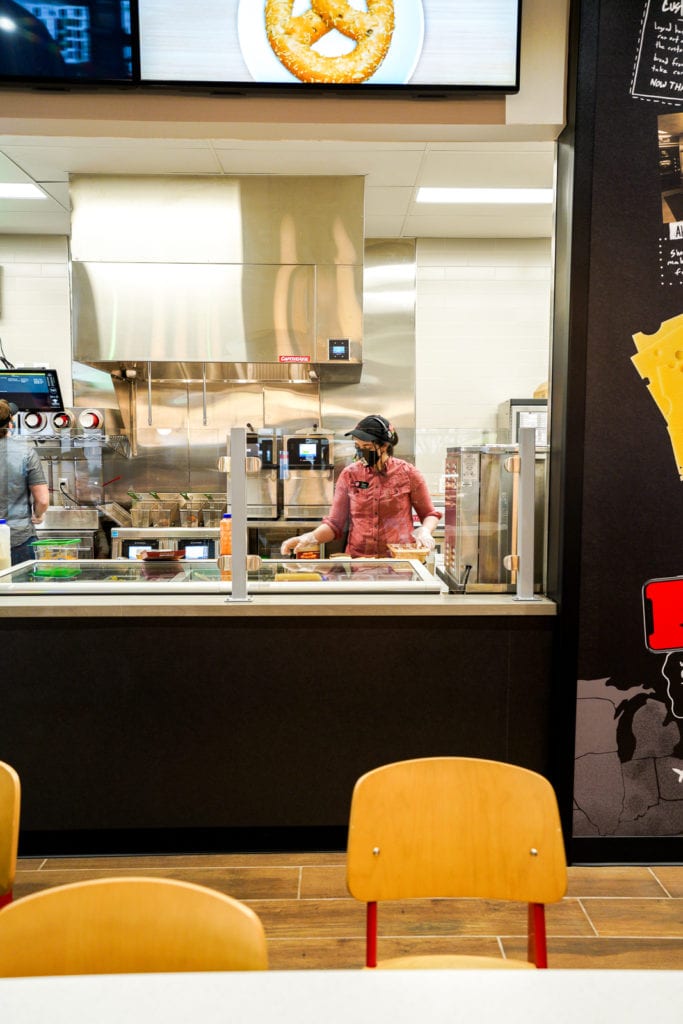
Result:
pixel 292 38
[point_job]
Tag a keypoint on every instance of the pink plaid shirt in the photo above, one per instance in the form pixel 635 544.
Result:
pixel 378 507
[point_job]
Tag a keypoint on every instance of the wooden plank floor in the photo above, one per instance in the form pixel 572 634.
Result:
pixel 612 917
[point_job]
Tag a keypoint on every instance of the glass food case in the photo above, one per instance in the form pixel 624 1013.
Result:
pixel 187 576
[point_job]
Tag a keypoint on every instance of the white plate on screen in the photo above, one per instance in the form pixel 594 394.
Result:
pixel 396 69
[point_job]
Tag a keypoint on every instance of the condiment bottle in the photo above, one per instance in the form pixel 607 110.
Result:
pixel 5 546
pixel 226 534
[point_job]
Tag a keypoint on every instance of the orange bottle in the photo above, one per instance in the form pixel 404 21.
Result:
pixel 226 534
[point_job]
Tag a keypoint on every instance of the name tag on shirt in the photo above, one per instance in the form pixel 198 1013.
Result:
pixel 362 485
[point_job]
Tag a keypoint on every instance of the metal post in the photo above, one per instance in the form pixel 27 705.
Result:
pixel 238 502
pixel 527 507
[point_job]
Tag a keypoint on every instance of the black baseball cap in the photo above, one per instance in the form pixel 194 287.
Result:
pixel 7 411
pixel 373 428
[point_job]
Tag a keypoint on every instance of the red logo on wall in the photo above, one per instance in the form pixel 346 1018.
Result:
pixel 294 359
pixel 663 608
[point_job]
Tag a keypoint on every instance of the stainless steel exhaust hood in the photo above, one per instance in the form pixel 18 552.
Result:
pixel 221 278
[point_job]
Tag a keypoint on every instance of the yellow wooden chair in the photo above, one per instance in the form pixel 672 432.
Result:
pixel 129 926
pixel 456 827
pixel 10 798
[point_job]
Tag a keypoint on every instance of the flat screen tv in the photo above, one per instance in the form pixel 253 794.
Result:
pixel 358 46
pixel 84 42
pixel 31 389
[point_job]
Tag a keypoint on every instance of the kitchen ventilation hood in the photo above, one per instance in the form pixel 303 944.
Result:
pixel 218 278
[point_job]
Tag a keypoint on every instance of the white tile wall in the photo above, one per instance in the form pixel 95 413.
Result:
pixel 482 336
pixel 35 317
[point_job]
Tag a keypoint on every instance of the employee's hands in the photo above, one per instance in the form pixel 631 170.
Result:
pixel 424 538
pixel 291 545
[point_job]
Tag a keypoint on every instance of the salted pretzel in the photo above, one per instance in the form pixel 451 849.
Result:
pixel 292 38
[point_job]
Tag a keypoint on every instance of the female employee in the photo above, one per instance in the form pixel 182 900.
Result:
pixel 375 496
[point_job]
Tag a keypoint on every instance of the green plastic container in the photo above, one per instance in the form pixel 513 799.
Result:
pixel 57 547
pixel 56 572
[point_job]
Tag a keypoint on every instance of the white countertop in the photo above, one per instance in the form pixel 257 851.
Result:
pixel 348 997
pixel 264 606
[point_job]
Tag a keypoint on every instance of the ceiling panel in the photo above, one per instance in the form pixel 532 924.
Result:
pixel 383 227
pixel 10 172
pixel 383 201
pixel 488 168
pixel 389 166
pixel 54 160
pixel 53 221
pixel 58 190
pixel 392 171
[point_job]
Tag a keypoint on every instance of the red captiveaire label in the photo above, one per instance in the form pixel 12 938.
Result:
pixel 294 359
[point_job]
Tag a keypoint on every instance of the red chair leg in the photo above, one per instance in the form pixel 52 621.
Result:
pixel 371 935
pixel 537 952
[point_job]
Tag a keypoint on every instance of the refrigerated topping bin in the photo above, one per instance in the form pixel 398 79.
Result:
pixel 185 576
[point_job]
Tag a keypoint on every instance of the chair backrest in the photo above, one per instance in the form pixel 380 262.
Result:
pixel 455 827
pixel 126 926
pixel 10 798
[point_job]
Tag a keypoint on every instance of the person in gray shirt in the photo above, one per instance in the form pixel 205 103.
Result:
pixel 24 494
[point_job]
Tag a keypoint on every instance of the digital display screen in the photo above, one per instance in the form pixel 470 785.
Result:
pixel 366 44
pixel 308 450
pixel 135 551
pixel 87 42
pixel 338 348
pixel 196 551
pixel 32 390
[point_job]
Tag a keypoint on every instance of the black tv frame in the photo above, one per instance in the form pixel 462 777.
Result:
pixel 138 84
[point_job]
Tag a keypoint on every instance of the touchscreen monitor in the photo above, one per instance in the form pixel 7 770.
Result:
pixel 357 45
pixel 32 389
pixel 308 450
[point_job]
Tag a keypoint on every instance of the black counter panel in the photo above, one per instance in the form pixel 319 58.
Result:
pixel 196 735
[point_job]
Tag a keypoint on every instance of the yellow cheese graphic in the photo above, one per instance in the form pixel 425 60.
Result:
pixel 659 361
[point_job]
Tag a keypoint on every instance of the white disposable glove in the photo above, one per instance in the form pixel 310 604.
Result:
pixel 423 538
pixel 292 543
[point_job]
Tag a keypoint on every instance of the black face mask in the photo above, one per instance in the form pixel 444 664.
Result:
pixel 370 456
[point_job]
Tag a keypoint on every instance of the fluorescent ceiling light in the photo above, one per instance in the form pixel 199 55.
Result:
pixel 485 195
pixel 25 190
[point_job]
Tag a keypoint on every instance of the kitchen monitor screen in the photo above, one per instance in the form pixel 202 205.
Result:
pixel 32 389
pixel 308 450
pixel 429 45
pixel 86 42
pixel 198 551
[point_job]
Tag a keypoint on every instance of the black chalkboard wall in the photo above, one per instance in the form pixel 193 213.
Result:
pixel 628 779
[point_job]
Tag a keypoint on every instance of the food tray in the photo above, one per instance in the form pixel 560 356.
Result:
pixel 408 551
pixel 162 555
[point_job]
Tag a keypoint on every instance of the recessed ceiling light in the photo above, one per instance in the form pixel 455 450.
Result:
pixel 485 195
pixel 23 190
